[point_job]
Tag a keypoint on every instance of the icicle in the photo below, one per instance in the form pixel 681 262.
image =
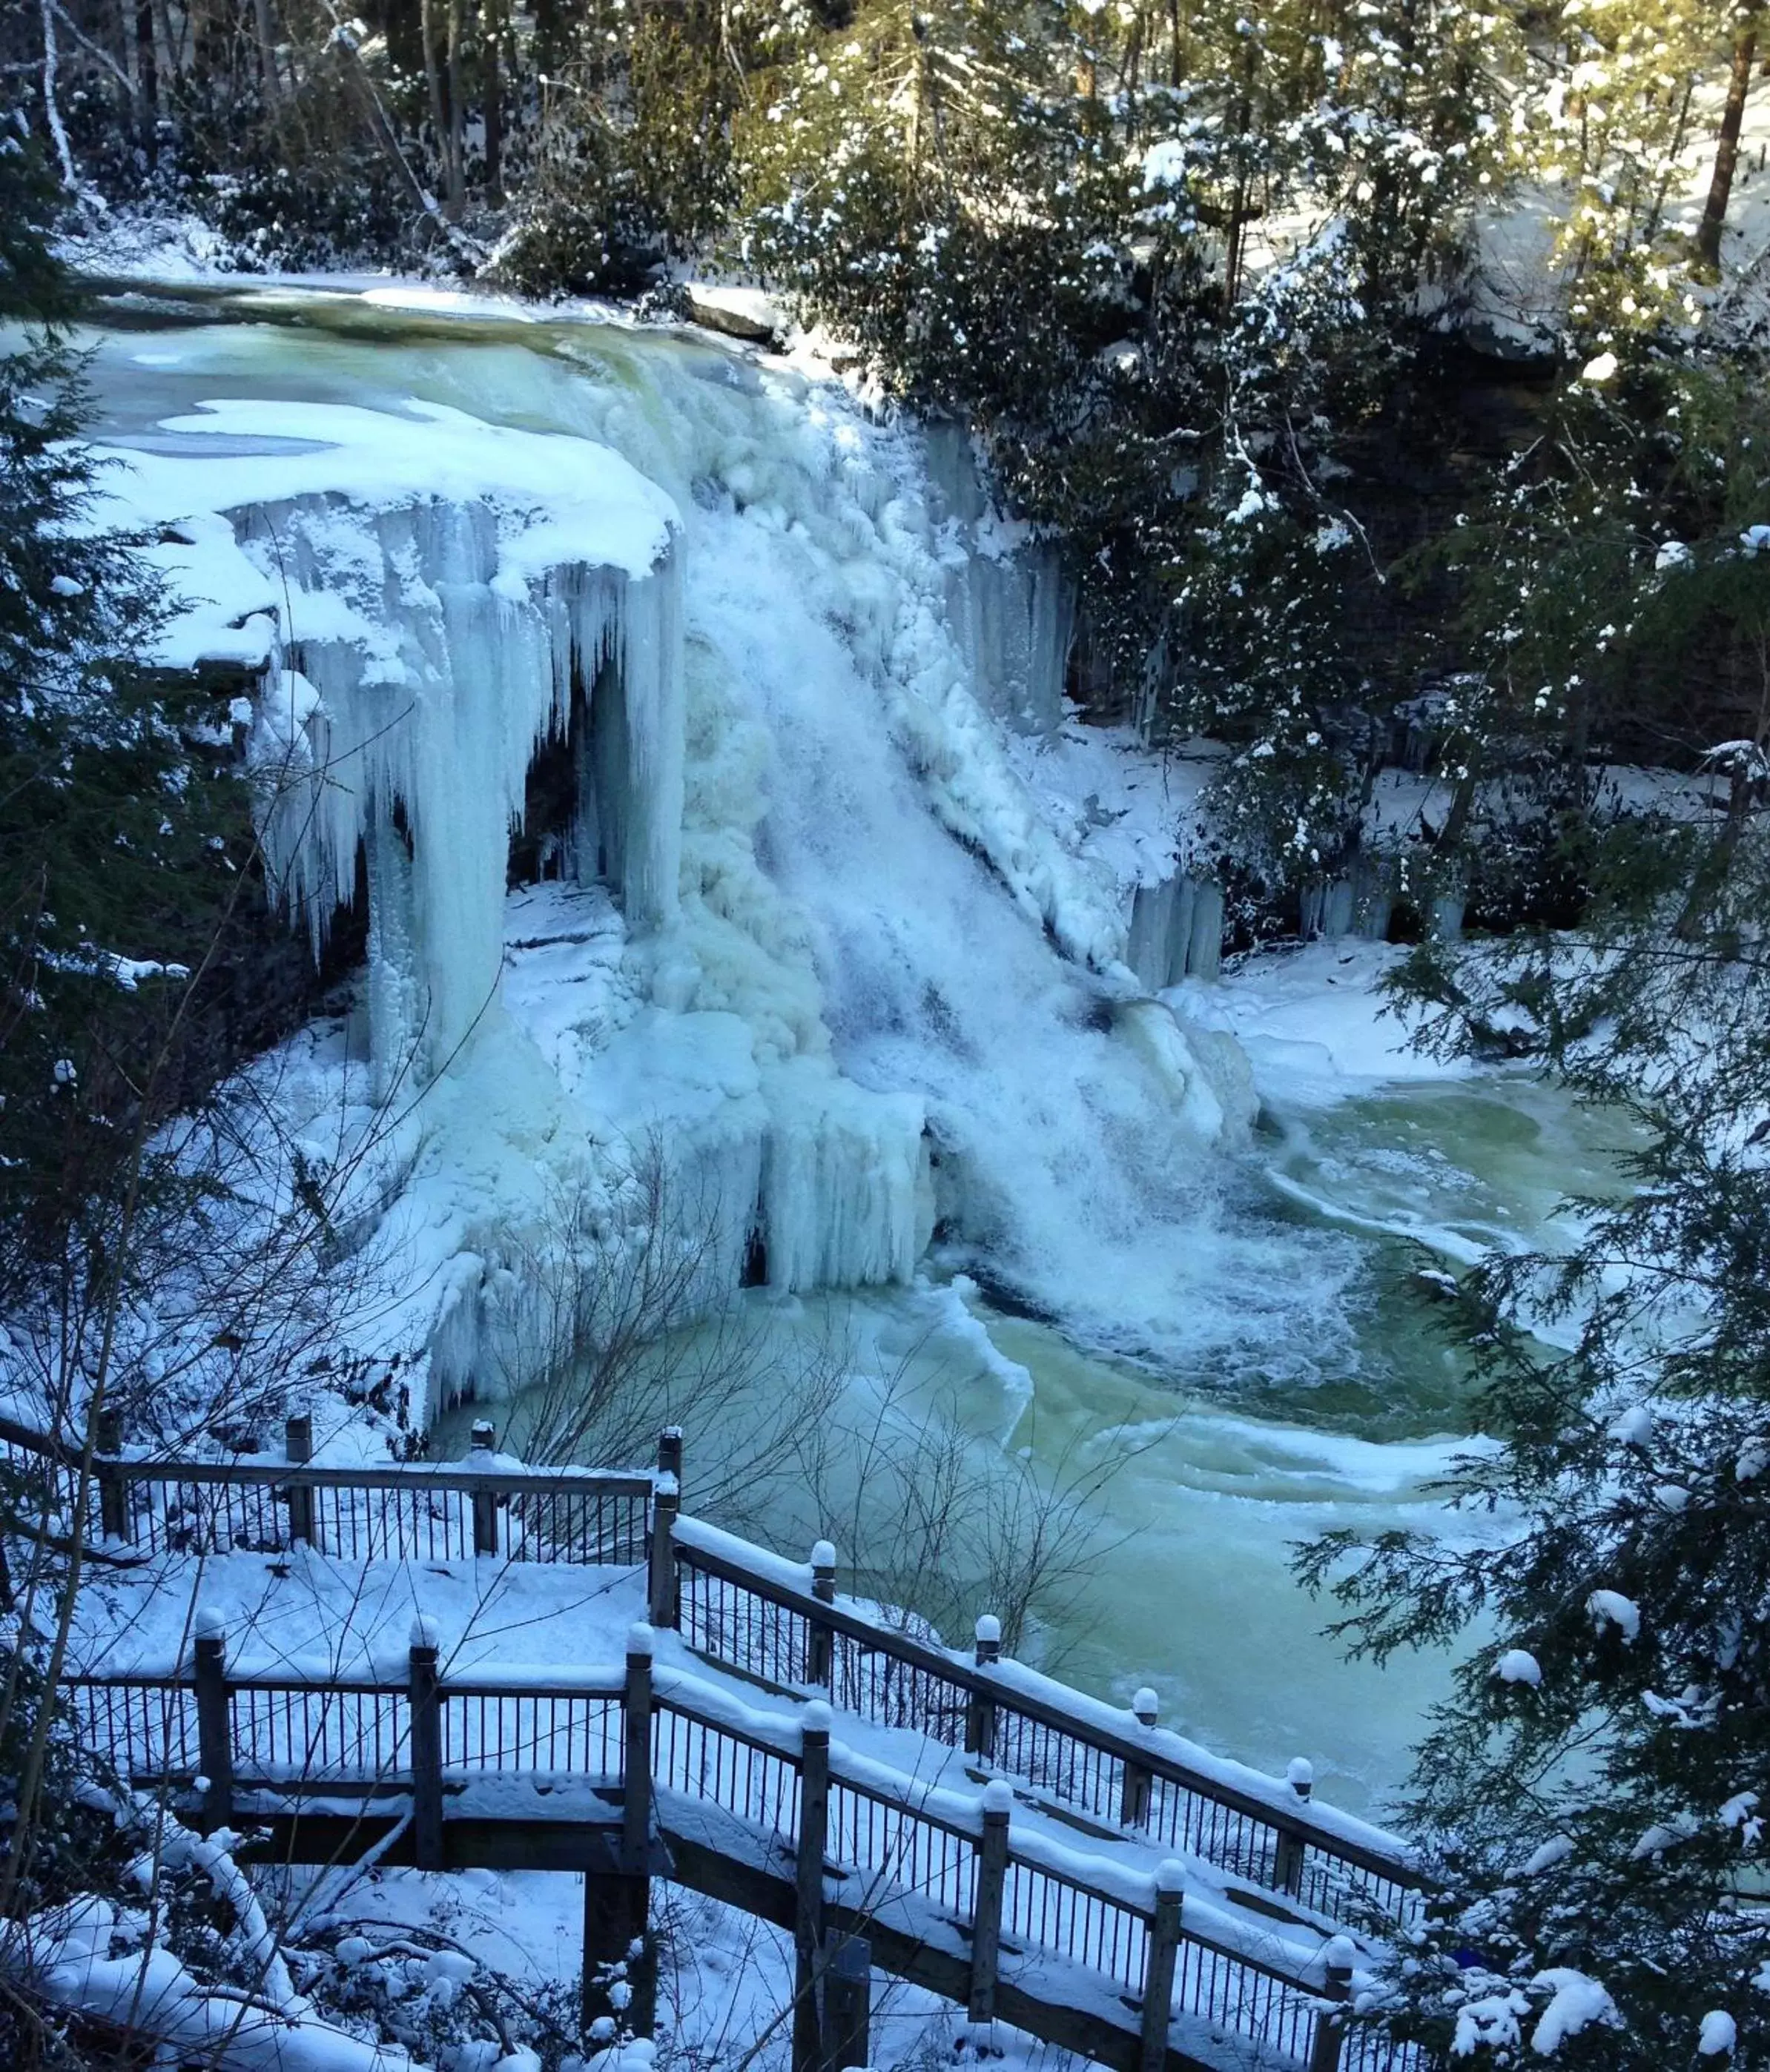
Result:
pixel 435 675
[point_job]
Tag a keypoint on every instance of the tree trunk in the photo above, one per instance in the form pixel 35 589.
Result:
pixel 267 50
pixel 1657 213
pixel 494 99
pixel 1710 877
pixel 1727 147
pixel 492 68
pixel 440 121
pixel 457 111
pixel 1456 821
pixel 147 72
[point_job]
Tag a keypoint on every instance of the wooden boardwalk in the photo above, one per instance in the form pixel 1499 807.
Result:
pixel 624 1772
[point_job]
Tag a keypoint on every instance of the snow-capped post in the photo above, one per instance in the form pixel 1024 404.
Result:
pixel 636 1832
pixel 214 1729
pixel 637 1774
pixel 848 2001
pixel 987 1919
pixel 112 1490
pixel 482 1439
pixel 666 1503
pixel 1164 1943
pixel 1336 1957
pixel 1133 1796
pixel 808 1935
pixel 820 1642
pixel 980 1715
pixel 1287 1864
pixel 669 1453
pixel 298 1448
pixel 426 1707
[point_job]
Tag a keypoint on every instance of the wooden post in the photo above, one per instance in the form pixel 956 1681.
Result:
pixel 1164 1943
pixel 848 2001
pixel 1336 1956
pixel 636 1834
pixel 112 1490
pixel 617 1903
pixel 637 1774
pixel 426 1703
pixel 1287 1864
pixel 1134 1794
pixel 662 1582
pixel 980 1717
pixel 482 1439
pixel 214 1729
pixel 615 1938
pixel 992 1879
pixel 297 1447
pixel 669 1454
pixel 808 1933
pixel 820 1642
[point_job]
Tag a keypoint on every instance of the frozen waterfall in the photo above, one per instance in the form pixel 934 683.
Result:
pixel 781 664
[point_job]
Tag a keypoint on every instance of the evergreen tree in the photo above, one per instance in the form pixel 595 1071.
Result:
pixel 1592 1796
pixel 118 805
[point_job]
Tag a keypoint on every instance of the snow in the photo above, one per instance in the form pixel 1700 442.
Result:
pixel 1718 2035
pixel 66 1950
pixel 1635 1426
pixel 579 504
pixel 1489 2022
pixel 1576 2002
pixel 1611 1608
pixel 1556 1850
pixel 1518 1665
pixel 1315 1024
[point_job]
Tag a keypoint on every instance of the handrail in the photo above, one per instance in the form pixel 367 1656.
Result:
pixel 586 1515
pixel 1305 1821
pixel 34 1441
pixel 984 1693
pixel 459 1477
pixel 495 1472
pixel 1306 1844
pixel 937 1807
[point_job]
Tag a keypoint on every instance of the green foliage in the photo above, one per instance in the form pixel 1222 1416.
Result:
pixel 1614 607
pixel 628 160
pixel 117 811
pixel 1071 270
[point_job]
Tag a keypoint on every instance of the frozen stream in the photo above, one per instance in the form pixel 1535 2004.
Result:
pixel 1240 1334
pixel 1220 1465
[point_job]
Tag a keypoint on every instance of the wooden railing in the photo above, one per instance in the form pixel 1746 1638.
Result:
pixel 392 1511
pixel 1054 1937
pixel 774 1621
pixel 782 1625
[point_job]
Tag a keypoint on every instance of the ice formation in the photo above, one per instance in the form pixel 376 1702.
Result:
pixel 779 654
pixel 1010 605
